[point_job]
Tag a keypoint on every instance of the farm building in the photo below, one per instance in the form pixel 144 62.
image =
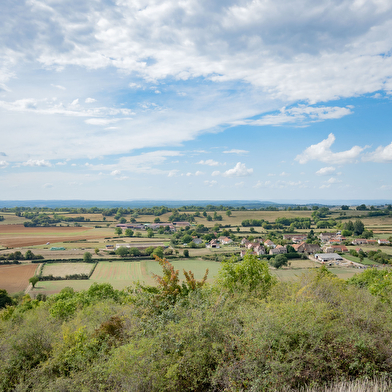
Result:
pixel 328 257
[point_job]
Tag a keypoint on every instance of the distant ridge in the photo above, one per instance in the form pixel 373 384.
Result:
pixel 181 203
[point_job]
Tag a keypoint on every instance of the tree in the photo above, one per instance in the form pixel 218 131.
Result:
pixel 252 229
pixel 118 230
pixel 29 255
pixel 157 220
pixel 123 220
pixel 358 227
pixel 87 257
pixel 150 233
pixel 228 213
pixel 134 251
pixel 128 232
pixel 158 251
pixel 122 251
pixel 186 239
pixel 186 253
pixel 238 229
pixel 33 280
pixel 344 207
pixel 279 261
pixel 96 250
pixel 249 275
pixel 5 299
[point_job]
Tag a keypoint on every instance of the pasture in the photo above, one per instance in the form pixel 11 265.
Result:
pixel 15 277
pixel 64 269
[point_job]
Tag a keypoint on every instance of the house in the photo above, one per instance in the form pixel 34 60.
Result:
pixel 182 224
pixel 296 238
pixel 259 250
pixel 213 244
pixel 197 241
pixel 244 241
pixel 325 237
pixel 359 241
pixel 280 249
pixel 270 244
pixel 326 257
pixel 372 242
pixel 303 247
pixel 334 248
pixel 383 242
pixel 225 240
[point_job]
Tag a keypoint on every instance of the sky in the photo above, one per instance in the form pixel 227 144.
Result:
pixel 195 99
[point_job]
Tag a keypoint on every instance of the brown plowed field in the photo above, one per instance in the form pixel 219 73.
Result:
pixel 18 235
pixel 15 278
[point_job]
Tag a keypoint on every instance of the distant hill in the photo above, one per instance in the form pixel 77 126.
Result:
pixel 180 203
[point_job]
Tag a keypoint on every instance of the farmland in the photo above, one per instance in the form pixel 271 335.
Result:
pixel 64 269
pixel 15 278
pixel 122 274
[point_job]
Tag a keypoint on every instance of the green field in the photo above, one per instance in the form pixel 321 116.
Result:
pixel 122 274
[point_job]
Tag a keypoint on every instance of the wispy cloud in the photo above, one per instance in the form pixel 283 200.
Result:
pixel 37 163
pixel 209 162
pixel 235 151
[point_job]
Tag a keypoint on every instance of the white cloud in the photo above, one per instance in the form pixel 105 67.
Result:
pixel 322 152
pixel 284 174
pixel 239 170
pixel 210 183
pixel 75 102
pixel 333 180
pixel 101 121
pixel 209 162
pixel 239 184
pixel 188 174
pixel 235 151
pixel 61 163
pixel 58 86
pixel 173 173
pixel 325 171
pixel 37 163
pixel 90 100
pixel 215 173
pixel 199 173
pixel 3 164
pixel 381 154
pixel 115 172
pixel 48 185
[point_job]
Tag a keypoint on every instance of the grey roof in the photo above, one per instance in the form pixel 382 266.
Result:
pixel 329 256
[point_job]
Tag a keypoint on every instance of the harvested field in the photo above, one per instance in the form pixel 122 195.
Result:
pixel 18 235
pixel 15 278
pixel 64 269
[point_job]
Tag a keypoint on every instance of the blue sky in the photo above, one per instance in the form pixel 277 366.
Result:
pixel 268 100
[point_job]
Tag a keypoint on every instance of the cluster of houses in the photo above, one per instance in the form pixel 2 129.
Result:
pixel 153 226
pixel 215 243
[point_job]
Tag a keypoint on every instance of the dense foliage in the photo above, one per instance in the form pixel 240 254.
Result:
pixel 247 332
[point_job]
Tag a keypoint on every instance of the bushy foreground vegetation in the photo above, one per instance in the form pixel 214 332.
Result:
pixel 248 332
